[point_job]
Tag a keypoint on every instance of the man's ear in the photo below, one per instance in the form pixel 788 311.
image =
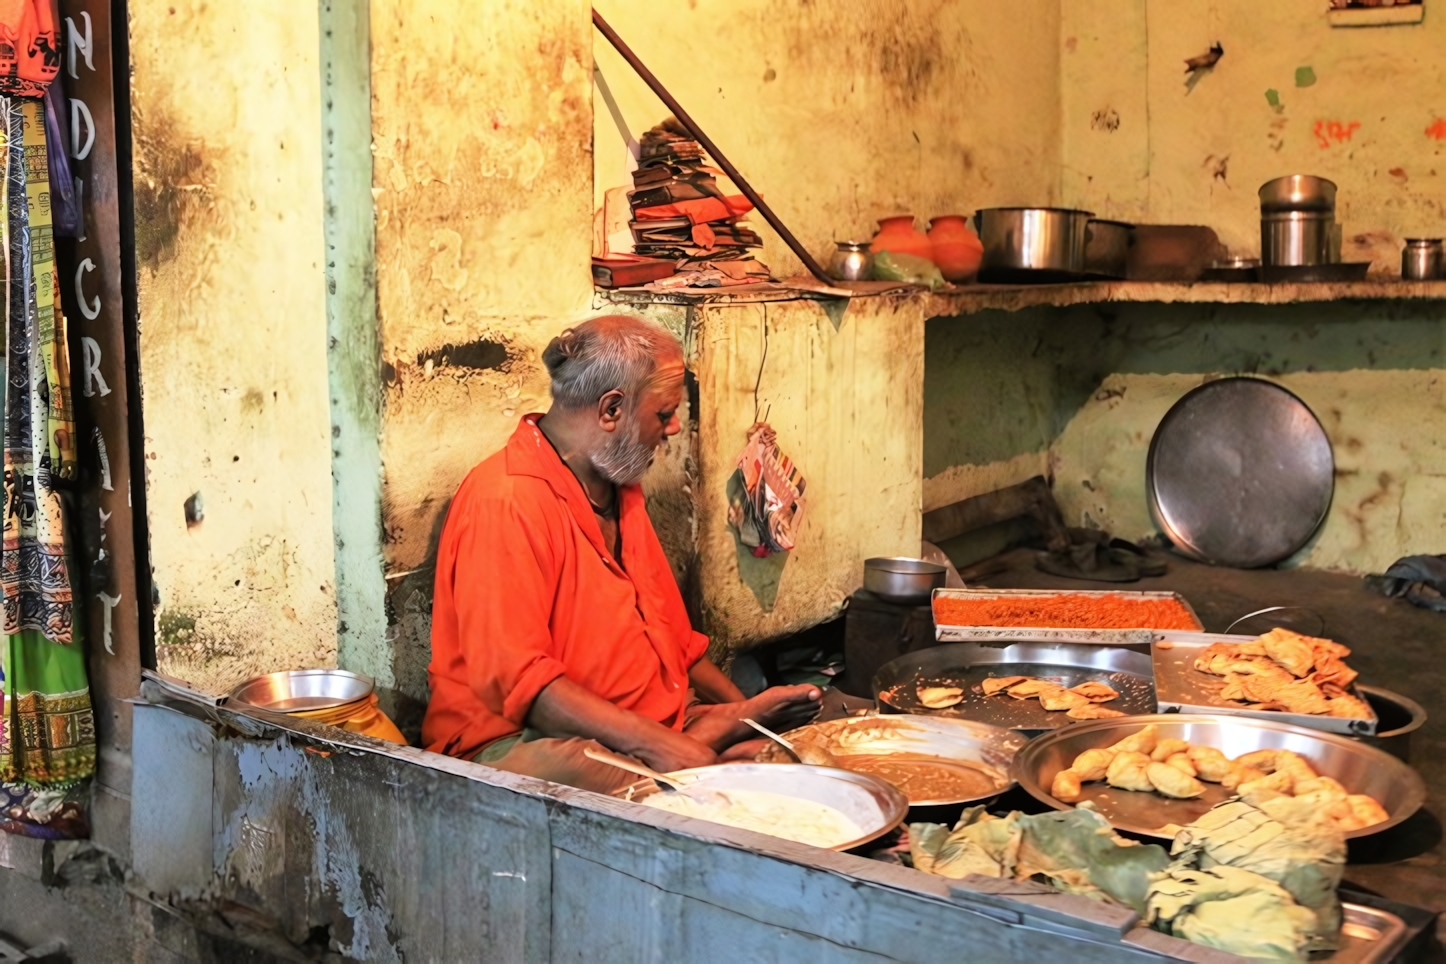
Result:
pixel 610 410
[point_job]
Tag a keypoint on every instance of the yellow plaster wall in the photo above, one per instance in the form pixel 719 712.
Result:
pixel 1137 144
pixel 845 395
pixel 481 123
pixel 843 112
pixel 233 334
pixel 1390 484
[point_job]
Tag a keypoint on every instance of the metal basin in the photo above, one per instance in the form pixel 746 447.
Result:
pixel 1031 245
pixel 900 579
pixel 296 690
pixel 1397 718
pixel 986 750
pixel 1358 767
pixel 877 807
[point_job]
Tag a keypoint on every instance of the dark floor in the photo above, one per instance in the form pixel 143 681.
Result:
pixel 1395 646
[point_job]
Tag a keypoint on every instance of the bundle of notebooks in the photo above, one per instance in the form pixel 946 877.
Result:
pixel 679 211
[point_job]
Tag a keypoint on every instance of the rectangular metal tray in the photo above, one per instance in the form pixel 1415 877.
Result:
pixel 1369 936
pixel 1123 636
pixel 1181 688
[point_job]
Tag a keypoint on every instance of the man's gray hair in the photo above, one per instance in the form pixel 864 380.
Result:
pixel 602 354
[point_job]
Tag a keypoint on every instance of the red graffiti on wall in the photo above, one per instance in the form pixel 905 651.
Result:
pixel 1334 132
pixel 1437 130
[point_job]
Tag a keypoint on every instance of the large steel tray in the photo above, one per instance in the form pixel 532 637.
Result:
pixel 1122 636
pixel 1181 688
pixel 1359 768
pixel 967 665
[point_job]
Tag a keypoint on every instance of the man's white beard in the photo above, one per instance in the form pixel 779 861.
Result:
pixel 625 459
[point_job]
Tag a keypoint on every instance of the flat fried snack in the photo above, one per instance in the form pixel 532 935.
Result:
pixel 1059 699
pixel 1030 688
pixel 940 697
pixel 1077 702
pixel 996 683
pixel 1095 691
pixel 1283 670
pixel 1093 711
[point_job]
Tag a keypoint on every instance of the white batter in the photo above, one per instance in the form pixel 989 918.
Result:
pixel 772 813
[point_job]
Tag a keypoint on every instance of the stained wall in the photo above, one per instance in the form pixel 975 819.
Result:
pixel 228 208
pixel 1361 106
pixel 840 113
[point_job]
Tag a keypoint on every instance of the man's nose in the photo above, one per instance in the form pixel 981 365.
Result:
pixel 674 426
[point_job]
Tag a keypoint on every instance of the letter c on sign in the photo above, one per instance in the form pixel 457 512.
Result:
pixel 92 310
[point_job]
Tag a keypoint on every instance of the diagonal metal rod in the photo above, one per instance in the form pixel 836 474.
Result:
pixel 814 268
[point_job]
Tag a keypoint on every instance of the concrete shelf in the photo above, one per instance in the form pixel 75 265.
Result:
pixel 974 298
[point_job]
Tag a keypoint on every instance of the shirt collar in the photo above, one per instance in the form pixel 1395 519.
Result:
pixel 530 453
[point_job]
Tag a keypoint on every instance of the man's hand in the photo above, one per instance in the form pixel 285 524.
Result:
pixel 564 709
pixel 668 751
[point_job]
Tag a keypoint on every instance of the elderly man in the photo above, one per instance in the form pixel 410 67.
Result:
pixel 556 622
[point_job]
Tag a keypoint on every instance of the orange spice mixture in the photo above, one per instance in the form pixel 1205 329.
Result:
pixel 1065 611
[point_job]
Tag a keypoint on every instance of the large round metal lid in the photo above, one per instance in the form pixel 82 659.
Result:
pixel 1240 473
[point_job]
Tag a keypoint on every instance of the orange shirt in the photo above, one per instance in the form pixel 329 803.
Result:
pixel 527 591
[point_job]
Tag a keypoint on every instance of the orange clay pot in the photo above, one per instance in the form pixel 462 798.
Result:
pixel 898 234
pixel 956 249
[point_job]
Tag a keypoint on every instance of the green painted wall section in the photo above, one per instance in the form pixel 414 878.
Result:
pixel 352 343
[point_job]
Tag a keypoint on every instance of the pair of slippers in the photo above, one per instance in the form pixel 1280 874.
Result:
pixel 1094 555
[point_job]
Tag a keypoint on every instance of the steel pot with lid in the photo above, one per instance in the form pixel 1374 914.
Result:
pixel 1298 220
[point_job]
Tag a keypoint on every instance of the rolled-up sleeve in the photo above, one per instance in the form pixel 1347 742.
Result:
pixel 695 649
pixel 504 580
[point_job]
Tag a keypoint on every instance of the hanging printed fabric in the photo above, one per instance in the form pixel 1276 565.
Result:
pixel 47 731
pixel 29 47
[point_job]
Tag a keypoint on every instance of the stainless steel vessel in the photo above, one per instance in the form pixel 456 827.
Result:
pixel 1421 259
pixel 1031 245
pixel 1107 248
pixel 853 261
pixel 1297 221
pixel 875 806
pixel 900 579
pixel 1239 473
pixel 298 690
pixel 1358 767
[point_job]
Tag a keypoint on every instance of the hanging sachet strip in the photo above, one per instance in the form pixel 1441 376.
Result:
pixel 29 47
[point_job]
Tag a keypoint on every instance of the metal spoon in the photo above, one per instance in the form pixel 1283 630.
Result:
pixel 802 752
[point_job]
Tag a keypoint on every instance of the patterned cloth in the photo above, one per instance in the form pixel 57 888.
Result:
pixel 29 48
pixel 47 730
pixel 39 423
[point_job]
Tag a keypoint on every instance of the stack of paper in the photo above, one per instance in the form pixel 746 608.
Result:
pixel 679 211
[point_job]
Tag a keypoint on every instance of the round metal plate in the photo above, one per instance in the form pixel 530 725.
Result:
pixel 1359 768
pixel 1240 473
pixel 298 690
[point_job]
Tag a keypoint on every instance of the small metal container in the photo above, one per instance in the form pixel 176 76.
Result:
pixel 900 579
pixel 1233 270
pixel 1358 767
pixel 1421 259
pixel 299 690
pixel 1297 221
pixel 877 807
pixel 853 261
pixel 1031 245
pixel 1107 248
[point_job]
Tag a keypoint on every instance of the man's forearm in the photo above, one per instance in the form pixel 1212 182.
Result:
pixel 711 685
pixel 564 709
